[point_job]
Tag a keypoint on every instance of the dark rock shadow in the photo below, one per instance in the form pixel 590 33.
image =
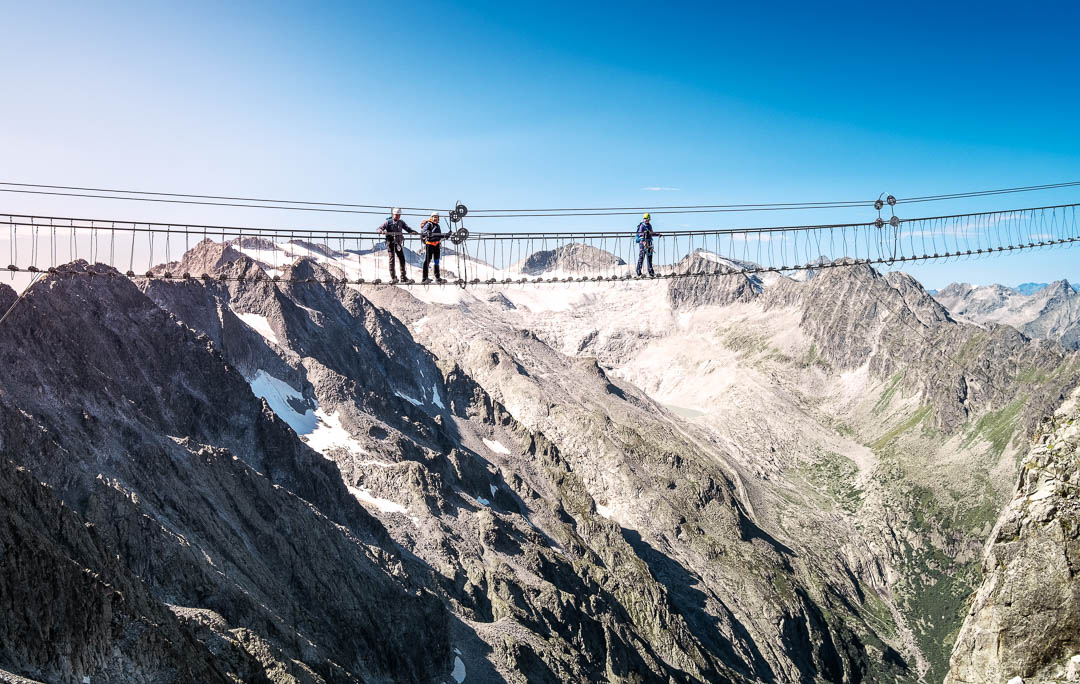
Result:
pixel 691 602
pixel 749 531
pixel 475 653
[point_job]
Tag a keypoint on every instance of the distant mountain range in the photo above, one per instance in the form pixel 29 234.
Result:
pixel 1039 310
pixel 1032 288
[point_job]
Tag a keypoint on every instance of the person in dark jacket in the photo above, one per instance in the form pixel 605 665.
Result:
pixel 645 235
pixel 394 229
pixel 431 233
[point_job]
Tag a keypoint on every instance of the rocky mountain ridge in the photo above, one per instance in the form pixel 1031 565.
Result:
pixel 510 466
pixel 908 428
pixel 1049 312
pixel 192 507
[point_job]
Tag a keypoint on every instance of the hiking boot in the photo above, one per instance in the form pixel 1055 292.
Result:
pixel 441 281
pixel 425 281
pixel 405 279
pixel 393 280
pixel 651 274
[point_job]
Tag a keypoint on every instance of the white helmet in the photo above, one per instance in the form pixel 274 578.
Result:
pixel 396 211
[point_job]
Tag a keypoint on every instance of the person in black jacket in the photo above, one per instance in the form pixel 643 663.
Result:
pixel 431 233
pixel 394 229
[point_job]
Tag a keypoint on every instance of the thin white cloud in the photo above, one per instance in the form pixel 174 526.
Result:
pixel 659 188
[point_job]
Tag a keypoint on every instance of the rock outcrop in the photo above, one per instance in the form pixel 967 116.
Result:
pixel 858 315
pixel 576 258
pixel 1024 621
pixel 713 282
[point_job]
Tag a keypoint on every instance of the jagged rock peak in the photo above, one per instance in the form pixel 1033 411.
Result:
pixel 212 258
pixel 305 268
pixel 720 282
pixel 859 292
pixel 704 261
pixel 574 258
pixel 258 243
pixel 7 297
pixel 955 290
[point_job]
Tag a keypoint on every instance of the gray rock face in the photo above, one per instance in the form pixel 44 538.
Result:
pixel 7 298
pixel 570 258
pixel 81 611
pixel 188 504
pixel 1025 618
pixel 716 283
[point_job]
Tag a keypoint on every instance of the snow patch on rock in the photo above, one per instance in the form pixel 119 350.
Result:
pixel 441 294
pixel 409 399
pixel 281 396
pixel 384 505
pixel 496 446
pixel 259 324
pixel 329 434
pixel 459 670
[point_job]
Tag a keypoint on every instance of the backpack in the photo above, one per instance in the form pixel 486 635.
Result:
pixel 427 231
pixel 643 235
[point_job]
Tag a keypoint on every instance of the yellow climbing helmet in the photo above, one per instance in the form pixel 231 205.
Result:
pixel 646 217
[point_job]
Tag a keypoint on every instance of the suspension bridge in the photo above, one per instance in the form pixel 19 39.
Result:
pixel 146 250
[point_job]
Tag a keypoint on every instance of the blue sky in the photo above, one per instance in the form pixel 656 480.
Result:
pixel 545 104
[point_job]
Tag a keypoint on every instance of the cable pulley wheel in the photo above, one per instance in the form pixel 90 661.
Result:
pixel 454 216
pixel 894 221
pixel 878 204
pixel 879 222
pixel 891 201
pixel 459 236
pixel 462 210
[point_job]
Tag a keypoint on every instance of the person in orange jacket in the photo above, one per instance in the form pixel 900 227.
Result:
pixel 432 235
